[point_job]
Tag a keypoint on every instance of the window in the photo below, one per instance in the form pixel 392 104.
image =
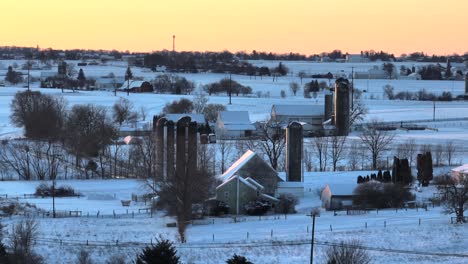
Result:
pixel 226 195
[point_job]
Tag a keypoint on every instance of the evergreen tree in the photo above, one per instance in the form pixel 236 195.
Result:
pixel 236 259
pixel 448 71
pixel 81 78
pixel 163 252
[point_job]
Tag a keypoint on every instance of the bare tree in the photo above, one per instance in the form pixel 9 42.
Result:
pixel 358 112
pixel 143 112
pixel 294 86
pixel 308 159
pixel 225 150
pixel 271 143
pixel 450 151
pixel 336 149
pixel 321 146
pixel 455 195
pixel 438 153
pixel 24 234
pixel 347 253
pixel 199 101
pixel 15 155
pixel 84 257
pixel 375 140
pixel 353 157
pixel 211 111
pixel 41 115
pixel 122 110
pixel 301 76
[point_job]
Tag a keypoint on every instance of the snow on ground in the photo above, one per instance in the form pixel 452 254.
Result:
pixel 215 240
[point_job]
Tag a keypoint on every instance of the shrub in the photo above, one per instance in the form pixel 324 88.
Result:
pixel 286 204
pixel 236 259
pixel 84 257
pixel 349 253
pixel 24 234
pixel 381 195
pixel 116 259
pixel 163 252
pixel 45 190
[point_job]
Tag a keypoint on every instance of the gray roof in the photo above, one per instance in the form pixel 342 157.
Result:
pixel 235 117
pixel 298 110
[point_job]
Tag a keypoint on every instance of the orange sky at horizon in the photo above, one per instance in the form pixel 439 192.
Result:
pixel 299 26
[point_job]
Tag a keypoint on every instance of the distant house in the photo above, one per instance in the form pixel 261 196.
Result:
pixel 337 196
pixel 460 172
pixel 356 58
pixel 310 116
pixel 233 124
pixel 250 165
pixel 138 86
pixel 109 83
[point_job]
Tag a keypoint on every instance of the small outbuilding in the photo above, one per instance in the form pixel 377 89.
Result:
pixel 234 125
pixel 337 196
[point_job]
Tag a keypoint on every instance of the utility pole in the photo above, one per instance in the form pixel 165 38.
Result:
pixel 315 212
pixel 29 67
pixel 433 111
pixel 352 88
pixel 53 198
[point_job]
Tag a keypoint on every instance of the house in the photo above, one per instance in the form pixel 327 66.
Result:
pixel 109 83
pixel 137 86
pixel 250 165
pixel 337 196
pixel 237 191
pixel 233 124
pixel 310 116
pixel 356 58
pixel 460 172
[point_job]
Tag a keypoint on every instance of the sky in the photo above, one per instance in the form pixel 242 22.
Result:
pixel 280 26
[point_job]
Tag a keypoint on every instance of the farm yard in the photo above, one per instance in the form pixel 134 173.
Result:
pixel 98 221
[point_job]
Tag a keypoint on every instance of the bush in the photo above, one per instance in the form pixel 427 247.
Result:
pixel 381 195
pixel 84 257
pixel 45 190
pixel 257 207
pixel 116 259
pixel 23 235
pixel 349 253
pixel 163 252
pixel 286 204
pixel 236 259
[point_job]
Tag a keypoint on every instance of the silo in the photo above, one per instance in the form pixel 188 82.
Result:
pixel 182 145
pixel 294 145
pixel 160 153
pixel 170 151
pixel 342 107
pixel 328 106
pixel 192 147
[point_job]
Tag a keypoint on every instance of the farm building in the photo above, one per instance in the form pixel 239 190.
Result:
pixel 234 124
pixel 310 117
pixel 238 191
pixel 460 172
pixel 250 165
pixel 337 196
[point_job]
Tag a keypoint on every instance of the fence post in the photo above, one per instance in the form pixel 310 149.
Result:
pixel 271 235
pixel 366 225
pixel 133 214
pixel 385 223
pixel 331 229
pixel 307 229
pixel 97 214
pixel 113 212
pixel 213 237
pixel 419 221
pixel 87 242
pixel 213 221
pixel 117 242
pixel 247 235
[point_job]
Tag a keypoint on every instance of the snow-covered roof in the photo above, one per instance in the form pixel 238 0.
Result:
pixel 242 180
pixel 254 182
pixel 298 110
pixel 132 84
pixel 287 184
pixel 461 169
pixel 269 197
pixel 234 127
pixel 235 117
pixel 248 155
pixel 199 118
pixel 342 188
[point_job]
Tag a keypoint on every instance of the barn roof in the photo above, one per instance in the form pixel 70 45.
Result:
pixel 298 110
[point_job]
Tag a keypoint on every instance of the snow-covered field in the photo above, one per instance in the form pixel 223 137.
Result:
pixel 271 239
